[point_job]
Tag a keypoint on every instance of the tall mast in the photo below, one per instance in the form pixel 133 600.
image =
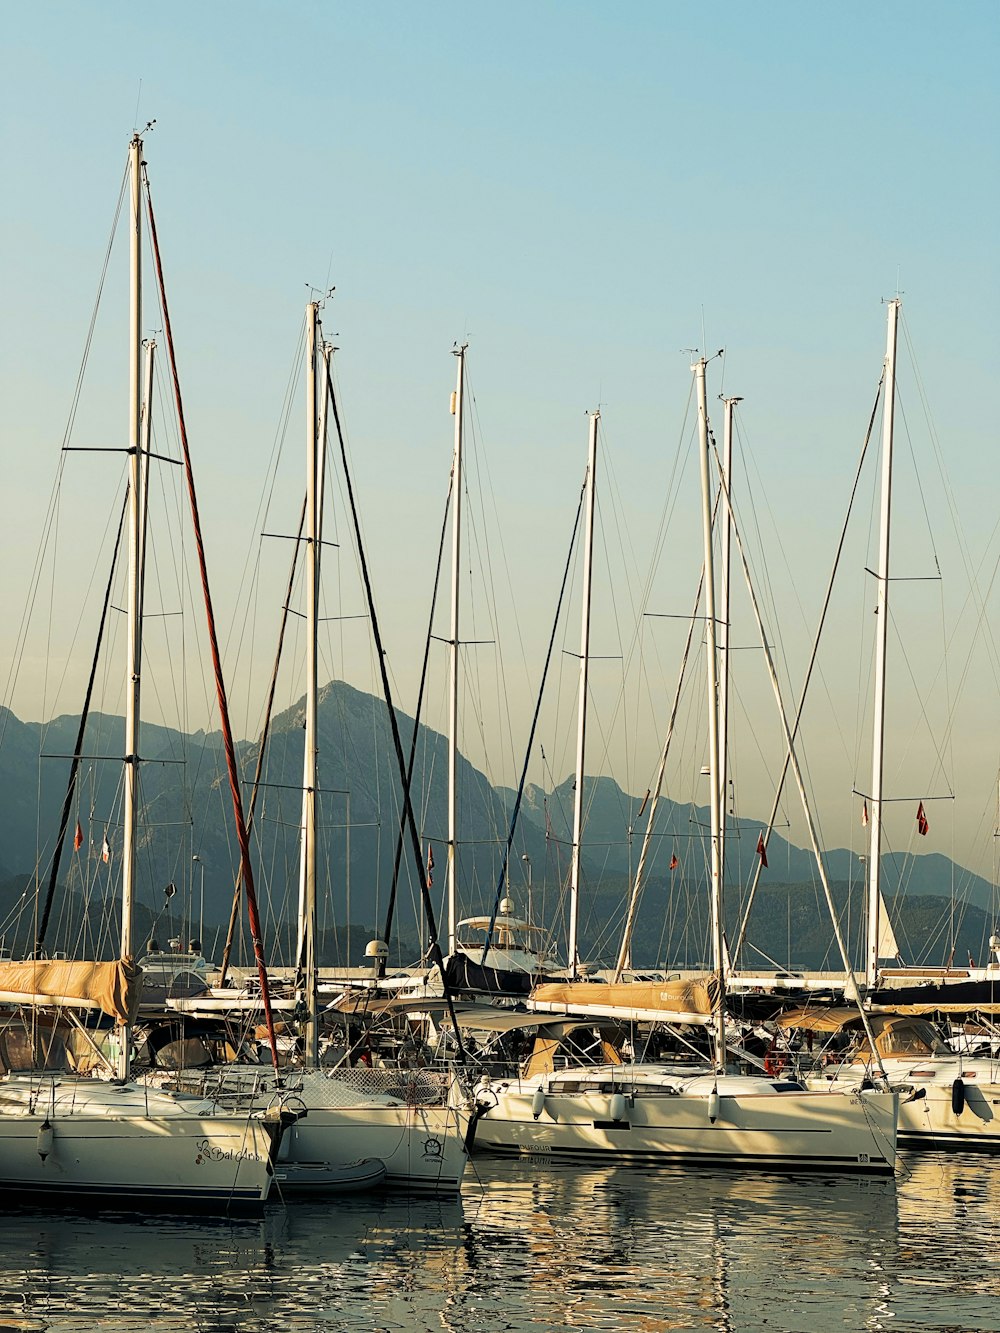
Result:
pixel 456 557
pixel 581 730
pixel 146 440
pixel 713 714
pixel 881 644
pixel 307 852
pixel 724 650
pixel 134 630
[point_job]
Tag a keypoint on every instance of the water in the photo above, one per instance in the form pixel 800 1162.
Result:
pixel 537 1247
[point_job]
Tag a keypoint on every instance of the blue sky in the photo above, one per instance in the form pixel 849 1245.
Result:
pixel 582 192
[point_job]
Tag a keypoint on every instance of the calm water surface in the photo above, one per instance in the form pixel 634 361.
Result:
pixel 538 1247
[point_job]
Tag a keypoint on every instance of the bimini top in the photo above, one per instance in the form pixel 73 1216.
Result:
pixel 895 1034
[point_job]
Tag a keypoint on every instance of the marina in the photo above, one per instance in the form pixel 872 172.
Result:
pixel 499 742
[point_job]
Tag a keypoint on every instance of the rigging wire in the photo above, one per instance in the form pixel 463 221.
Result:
pixel 434 946
pixel 809 670
pixel 531 735
pixel 262 743
pixel 78 749
pixel 414 739
pixel 51 513
pixel 241 830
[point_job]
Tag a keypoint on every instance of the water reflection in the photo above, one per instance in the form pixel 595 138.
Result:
pixel 537 1247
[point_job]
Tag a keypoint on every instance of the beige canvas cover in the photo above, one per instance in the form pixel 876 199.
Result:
pixel 555 1039
pixel 111 987
pixel 920 1009
pixel 692 1000
pixel 819 1020
pixel 896 1033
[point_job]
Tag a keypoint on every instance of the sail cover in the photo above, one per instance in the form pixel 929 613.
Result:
pixel 689 1001
pixel 111 987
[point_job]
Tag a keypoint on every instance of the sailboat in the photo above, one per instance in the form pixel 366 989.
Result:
pixel 950 1099
pixel 355 1131
pixel 622 1109
pixel 114 1141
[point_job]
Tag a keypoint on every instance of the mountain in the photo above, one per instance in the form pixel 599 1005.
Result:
pixel 187 814
pixel 360 810
pixel 614 831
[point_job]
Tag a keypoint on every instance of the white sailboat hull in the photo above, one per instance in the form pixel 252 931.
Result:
pixel 930 1115
pixel 112 1144
pixel 420 1142
pixel 931 1122
pixel 760 1129
pixel 421 1147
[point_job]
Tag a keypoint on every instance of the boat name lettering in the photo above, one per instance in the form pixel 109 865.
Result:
pixel 213 1153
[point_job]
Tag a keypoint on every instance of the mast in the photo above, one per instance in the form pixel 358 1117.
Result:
pixel 581 730
pixel 145 446
pixel 134 631
pixel 456 556
pixel 881 644
pixel 713 715
pixel 307 852
pixel 724 650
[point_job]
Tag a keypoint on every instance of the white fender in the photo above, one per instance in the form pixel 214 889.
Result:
pixel 538 1102
pixel 45 1143
pixel 714 1101
pixel 617 1107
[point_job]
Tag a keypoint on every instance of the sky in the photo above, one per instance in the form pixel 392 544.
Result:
pixel 583 193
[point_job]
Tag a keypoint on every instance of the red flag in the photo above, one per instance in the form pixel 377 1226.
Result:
pixel 674 863
pixel 761 850
pixel 105 852
pixel 864 815
pixel 78 837
pixel 922 822
pixel 430 865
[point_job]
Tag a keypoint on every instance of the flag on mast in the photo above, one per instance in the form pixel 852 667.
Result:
pixel 762 850
pixel 923 823
pixel 864 815
pixel 78 837
pixel 430 865
pixel 674 863
pixel 105 851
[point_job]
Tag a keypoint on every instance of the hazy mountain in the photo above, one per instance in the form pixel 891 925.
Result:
pixel 187 813
pixel 614 829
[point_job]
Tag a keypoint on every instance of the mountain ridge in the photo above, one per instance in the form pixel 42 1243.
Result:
pixel 187 839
